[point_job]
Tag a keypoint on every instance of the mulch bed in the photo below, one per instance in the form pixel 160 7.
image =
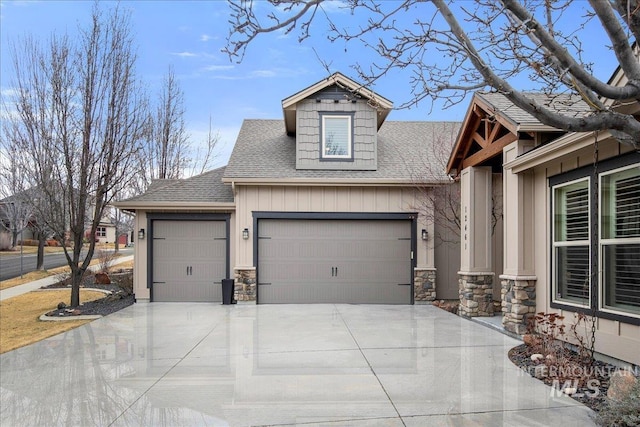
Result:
pixel 590 393
pixel 120 296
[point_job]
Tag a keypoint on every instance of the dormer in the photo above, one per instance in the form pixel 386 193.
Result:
pixel 335 123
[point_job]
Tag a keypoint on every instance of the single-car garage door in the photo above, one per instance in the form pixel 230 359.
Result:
pixel 334 261
pixel 189 260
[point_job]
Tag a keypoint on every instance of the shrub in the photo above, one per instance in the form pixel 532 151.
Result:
pixel 548 337
pixel 104 260
pixel 621 413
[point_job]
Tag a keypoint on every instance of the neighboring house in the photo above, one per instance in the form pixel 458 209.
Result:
pixel 320 207
pixel 569 240
pixel 106 233
pixel 16 213
pixel 112 222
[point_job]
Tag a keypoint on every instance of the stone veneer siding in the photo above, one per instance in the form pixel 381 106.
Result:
pixel 245 285
pixel 476 295
pixel 518 304
pixel 424 285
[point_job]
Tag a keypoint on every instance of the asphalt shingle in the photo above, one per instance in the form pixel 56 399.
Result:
pixel 207 187
pixel 570 105
pixel 405 150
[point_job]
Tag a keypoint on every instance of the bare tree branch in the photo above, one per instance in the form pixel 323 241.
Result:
pixel 79 118
pixel 453 48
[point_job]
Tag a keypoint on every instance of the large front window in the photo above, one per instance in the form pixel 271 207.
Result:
pixel 620 239
pixel 336 137
pixel 607 239
pixel 571 242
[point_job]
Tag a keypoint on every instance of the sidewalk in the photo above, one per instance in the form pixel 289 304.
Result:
pixel 31 286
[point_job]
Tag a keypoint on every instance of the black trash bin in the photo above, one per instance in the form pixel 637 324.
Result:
pixel 227 291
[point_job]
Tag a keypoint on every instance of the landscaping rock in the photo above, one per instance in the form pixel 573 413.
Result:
pixel 61 306
pixel 102 279
pixel 536 357
pixel 620 384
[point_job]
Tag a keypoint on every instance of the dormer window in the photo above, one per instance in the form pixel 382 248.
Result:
pixel 336 135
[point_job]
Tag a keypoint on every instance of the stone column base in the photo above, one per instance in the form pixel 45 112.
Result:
pixel 424 285
pixel 245 285
pixel 518 302
pixel 476 294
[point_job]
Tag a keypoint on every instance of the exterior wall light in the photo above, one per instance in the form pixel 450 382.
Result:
pixel 141 234
pixel 425 234
pixel 245 234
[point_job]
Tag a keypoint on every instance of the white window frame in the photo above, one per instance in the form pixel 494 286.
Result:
pixel 323 147
pixel 610 241
pixel 555 245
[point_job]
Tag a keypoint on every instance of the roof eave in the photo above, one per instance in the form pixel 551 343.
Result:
pixel 333 182
pixel 562 146
pixel 150 205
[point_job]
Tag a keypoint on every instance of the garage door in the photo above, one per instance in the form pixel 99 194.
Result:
pixel 189 260
pixel 334 261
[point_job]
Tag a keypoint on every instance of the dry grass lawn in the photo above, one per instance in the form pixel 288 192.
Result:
pixel 19 317
pixel 123 265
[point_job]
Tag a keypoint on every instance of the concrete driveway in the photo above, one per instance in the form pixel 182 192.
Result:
pixel 206 364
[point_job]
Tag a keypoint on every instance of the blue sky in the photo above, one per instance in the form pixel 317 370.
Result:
pixel 189 35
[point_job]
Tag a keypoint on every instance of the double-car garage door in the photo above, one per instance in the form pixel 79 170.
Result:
pixel 334 261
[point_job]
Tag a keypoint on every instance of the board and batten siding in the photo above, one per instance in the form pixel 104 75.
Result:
pixel 308 134
pixel 618 339
pixel 324 199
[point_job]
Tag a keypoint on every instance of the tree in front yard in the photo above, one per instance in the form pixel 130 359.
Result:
pixel 15 209
pixel 452 48
pixel 78 116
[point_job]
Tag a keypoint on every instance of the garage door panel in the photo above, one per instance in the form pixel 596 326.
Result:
pixel 189 260
pixel 328 261
pixel 183 292
pixel 281 271
pixel 357 293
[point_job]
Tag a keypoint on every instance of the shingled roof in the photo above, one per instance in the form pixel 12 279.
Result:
pixel 206 188
pixel 264 153
pixel 569 105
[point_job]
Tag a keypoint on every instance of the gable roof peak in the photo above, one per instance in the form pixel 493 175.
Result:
pixel 380 103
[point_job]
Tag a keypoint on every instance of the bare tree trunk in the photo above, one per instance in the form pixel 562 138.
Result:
pixel 42 239
pixel 116 244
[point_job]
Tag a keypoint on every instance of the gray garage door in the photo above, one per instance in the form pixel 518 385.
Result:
pixel 189 260
pixel 334 261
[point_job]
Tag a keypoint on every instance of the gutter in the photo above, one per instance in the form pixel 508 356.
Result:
pixel 334 182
